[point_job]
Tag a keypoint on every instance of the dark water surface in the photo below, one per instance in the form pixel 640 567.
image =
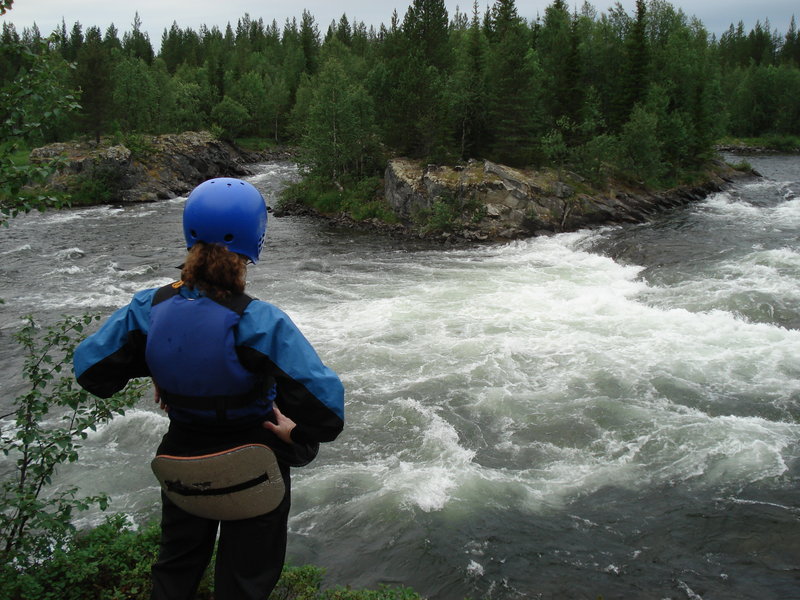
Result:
pixel 604 413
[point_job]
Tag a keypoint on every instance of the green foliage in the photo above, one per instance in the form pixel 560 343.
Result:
pixel 447 213
pixel 595 159
pixel 141 146
pixel 100 186
pixel 304 583
pixel 742 165
pixel 339 135
pixel 112 562
pixel 50 418
pixel 134 95
pixel 554 145
pixel 382 593
pixel 231 117
pixel 32 98
pixel 358 199
pixel 363 201
pixel 93 77
pixel 494 87
pixel 640 153
pixel 298 583
pixel 764 99
pixel 781 142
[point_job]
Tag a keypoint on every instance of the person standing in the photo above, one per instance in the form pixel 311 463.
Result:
pixel 231 372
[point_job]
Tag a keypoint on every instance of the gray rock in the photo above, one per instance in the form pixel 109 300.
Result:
pixel 170 165
pixel 501 202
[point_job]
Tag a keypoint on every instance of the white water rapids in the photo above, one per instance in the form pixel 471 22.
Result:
pixel 602 413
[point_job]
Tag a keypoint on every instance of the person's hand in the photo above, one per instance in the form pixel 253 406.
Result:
pixel 157 397
pixel 283 429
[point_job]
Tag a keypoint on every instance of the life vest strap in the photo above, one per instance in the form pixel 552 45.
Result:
pixel 236 302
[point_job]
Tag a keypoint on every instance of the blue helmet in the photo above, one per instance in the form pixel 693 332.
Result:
pixel 229 212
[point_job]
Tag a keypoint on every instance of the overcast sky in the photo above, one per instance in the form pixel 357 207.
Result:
pixel 156 15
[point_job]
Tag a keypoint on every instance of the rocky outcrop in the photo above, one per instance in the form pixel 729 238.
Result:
pixel 156 167
pixel 496 202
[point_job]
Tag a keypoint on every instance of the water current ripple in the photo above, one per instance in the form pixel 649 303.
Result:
pixel 603 413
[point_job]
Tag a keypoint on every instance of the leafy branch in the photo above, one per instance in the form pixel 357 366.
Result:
pixel 50 418
pixel 29 102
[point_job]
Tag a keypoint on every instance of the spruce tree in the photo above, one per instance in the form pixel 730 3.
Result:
pixel 309 39
pixel 93 77
pixel 468 91
pixel 111 38
pixel 557 45
pixel 172 47
pixel 637 61
pixel 515 115
pixel 427 31
pixel 136 43
pixel 790 49
pixel 74 43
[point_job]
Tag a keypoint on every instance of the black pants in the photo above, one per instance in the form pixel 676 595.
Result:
pixel 250 553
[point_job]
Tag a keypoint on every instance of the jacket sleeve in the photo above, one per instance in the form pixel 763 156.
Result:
pixel 308 392
pixel 106 360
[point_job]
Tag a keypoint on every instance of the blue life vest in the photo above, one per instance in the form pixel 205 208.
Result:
pixel 191 354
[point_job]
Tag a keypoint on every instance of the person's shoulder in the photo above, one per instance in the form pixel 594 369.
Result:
pixel 260 308
pixel 144 298
pixel 147 294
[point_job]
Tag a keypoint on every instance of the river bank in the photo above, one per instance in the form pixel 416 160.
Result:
pixel 147 168
pixel 484 202
pixel 473 202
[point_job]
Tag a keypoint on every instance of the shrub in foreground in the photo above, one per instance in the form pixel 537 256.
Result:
pixel 112 562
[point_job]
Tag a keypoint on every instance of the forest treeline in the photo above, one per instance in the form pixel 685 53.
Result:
pixel 646 94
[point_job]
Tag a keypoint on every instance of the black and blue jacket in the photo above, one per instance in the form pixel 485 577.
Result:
pixel 219 365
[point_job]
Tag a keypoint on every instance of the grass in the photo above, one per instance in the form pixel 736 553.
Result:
pixel 358 199
pixel 778 142
pixel 112 562
pixel 21 157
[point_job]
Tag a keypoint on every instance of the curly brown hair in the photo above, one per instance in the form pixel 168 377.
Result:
pixel 214 270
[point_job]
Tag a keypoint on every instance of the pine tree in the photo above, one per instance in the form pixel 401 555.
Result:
pixel 513 107
pixel 93 77
pixel 468 91
pixel 557 46
pixel 762 48
pixel 172 46
pixel 136 43
pixel 343 32
pixel 790 49
pixel 111 38
pixel 637 61
pixel 309 39
pixel 73 44
pixel 426 29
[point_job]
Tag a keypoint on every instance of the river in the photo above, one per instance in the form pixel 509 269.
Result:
pixel 611 412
